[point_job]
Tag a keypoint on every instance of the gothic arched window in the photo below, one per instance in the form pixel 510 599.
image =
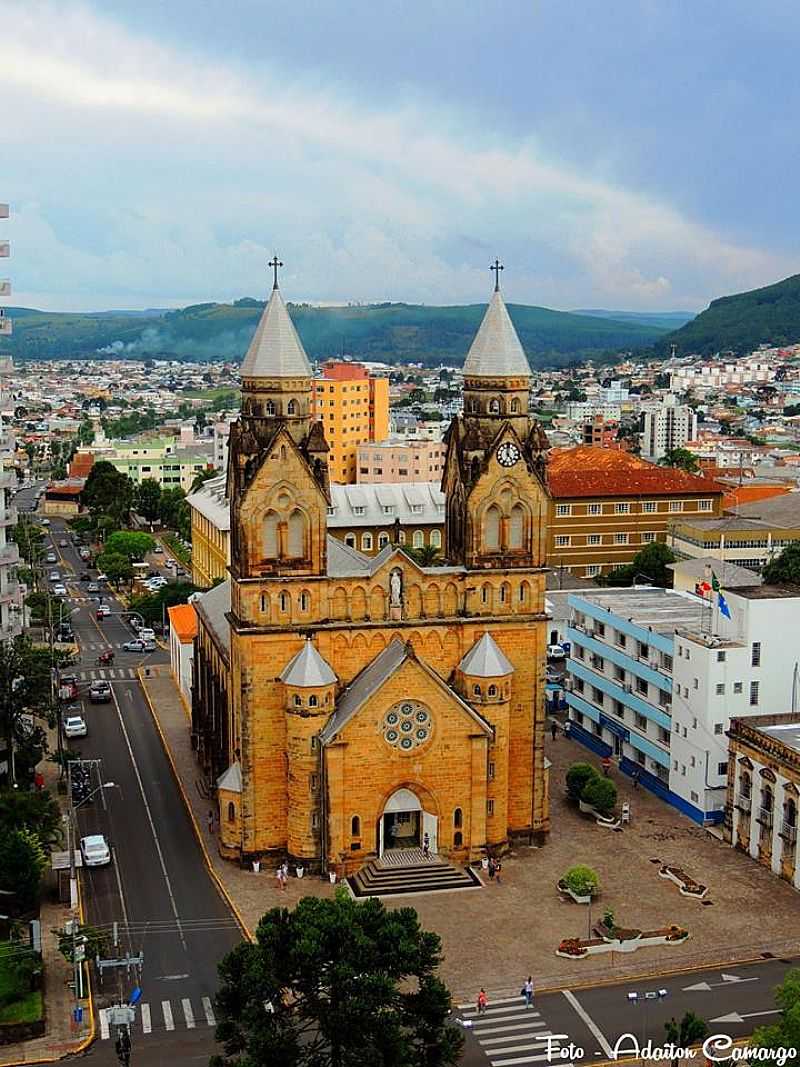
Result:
pixel 458 818
pixel 515 406
pixel 231 811
pixel 271 535
pixel 491 529
pixel 419 539
pixel 312 701
pixel 494 406
pixel 355 826
pixel 292 408
pixel 436 538
pixel 516 527
pixel 269 408
pixel 297 535
pixel 366 542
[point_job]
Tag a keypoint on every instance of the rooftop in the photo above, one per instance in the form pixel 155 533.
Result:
pixel 183 622
pixel 730 575
pixel 276 351
pixel 768 592
pixel 588 471
pixel 659 610
pixel 496 350
pixel 788 733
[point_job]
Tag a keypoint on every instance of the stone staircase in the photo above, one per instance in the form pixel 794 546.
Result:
pixel 387 879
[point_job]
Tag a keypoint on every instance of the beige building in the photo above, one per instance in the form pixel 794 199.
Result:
pixel 401 460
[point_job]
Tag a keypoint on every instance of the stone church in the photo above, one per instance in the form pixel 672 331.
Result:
pixel 347 705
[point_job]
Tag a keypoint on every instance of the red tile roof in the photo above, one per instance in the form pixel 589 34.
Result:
pixel 587 471
pixel 183 620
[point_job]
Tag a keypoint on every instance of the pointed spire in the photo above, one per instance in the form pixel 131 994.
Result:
pixel 276 351
pixel 496 350
pixel 485 660
pixel 307 669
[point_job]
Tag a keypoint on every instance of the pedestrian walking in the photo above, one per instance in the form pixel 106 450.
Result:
pixel 210 821
pixel 426 846
pixel 635 777
pixel 483 1000
pixel 527 992
pixel 279 877
pixel 553 728
pixel 497 869
pixel 492 868
pixel 605 763
pixel 285 874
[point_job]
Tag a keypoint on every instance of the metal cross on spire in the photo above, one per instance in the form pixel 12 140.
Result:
pixel 497 266
pixel 275 263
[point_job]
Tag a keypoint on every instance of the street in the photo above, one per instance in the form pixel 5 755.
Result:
pixel 156 890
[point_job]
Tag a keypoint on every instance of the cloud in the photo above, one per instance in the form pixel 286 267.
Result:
pixel 209 165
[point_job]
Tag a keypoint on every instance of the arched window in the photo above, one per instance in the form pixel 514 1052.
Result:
pixel 436 539
pixel 516 527
pixel 486 592
pixel 271 535
pixel 350 540
pixel 515 406
pixel 491 529
pixel 312 701
pixel 292 408
pixel 284 453
pixel 297 535
pixel 305 601
pixel 505 593
pixel 458 839
pixel 264 604
pixel 492 690
pixel 355 826
pixel 476 690
pixel 366 542
pixel 524 592
pixel 494 406
pixel 419 539
pixel 231 811
pixel 269 408
pixel 401 537
pixel 458 818
pixel 298 702
pixel 283 601
pixel 790 812
pixel 383 540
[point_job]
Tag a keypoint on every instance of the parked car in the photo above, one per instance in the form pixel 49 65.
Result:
pixel 75 726
pixel 55 576
pixel 100 692
pixel 556 652
pixel 59 590
pixel 102 577
pixel 63 543
pixel 45 522
pixel 51 557
pixel 159 551
pixel 92 587
pixel 95 850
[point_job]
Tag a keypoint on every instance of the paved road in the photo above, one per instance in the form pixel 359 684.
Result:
pixel 157 888
pixel 586 1025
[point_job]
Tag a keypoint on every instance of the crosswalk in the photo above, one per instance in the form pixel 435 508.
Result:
pixel 108 673
pixel 509 1034
pixel 161 1016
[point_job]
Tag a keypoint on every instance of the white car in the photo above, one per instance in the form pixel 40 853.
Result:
pixel 55 577
pixel 101 577
pixel 59 590
pixel 556 652
pixel 103 611
pixel 95 850
pixel 75 726
pixel 45 522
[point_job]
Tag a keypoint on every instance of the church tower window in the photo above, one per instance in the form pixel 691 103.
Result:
pixel 516 527
pixel 283 601
pixel 491 529
pixel 312 701
pixel 269 408
pixel 355 826
pixel 494 406
pixel 458 818
pixel 271 535
pixel 297 535
pixel 292 408
pixel 515 406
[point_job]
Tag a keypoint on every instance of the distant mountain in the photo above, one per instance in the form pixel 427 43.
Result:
pixel 393 333
pixel 742 322
pixel 665 320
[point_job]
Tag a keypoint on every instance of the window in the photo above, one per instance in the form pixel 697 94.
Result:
pixel 705 505
pixel 619 673
pixel 620 539
pixel 419 539
pixel 718 727
pixel 738 687
pixel 231 811
pixel 383 539
pixel 492 691
pixel 641 686
pixel 720 657
pixel 476 690
pixel 753 694
pixel 297 535
pixel 692 761
pixel 562 541
pixel 298 700
pixel 313 780
pixel 695 683
pixel 683 770
pixel 563 509
pixel 663 735
pixel 675 505
pixel 458 819
pixel 436 539
pixel 666 661
pixel 677 727
pixel 283 601
pixel 350 540
pixel 600 629
pixel 755 657
pixel 315 820
pixel 491 770
pixel 621 639
pixel 648 537
pixel 622 509
pixel 694 723
pixel 292 408
pixel 592 570
pixel 264 603
pixel 694 796
pixel 305 601
pixel 271 535
pixel 314 743
pixel 355 826
pixel 490 807
pixel 722 768
pixel 685 693
pixel 642 650
pixel 594 539
pixel 366 542
pixel 312 701
pixel 641 722
pixel 649 506
pixel 458 839
pixel 720 689
pixel 598 662
pixel 594 509
pixel 516 527
pixel 597 695
pixel 674 765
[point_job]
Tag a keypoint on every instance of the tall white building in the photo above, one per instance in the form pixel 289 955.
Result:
pixel 669 426
pixel 10 593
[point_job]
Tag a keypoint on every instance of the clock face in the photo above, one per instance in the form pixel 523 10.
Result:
pixel 507 454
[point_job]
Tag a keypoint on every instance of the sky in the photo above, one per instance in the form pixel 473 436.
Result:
pixel 636 155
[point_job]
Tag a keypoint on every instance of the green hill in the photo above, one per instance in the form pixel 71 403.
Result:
pixel 392 333
pixel 742 322
pixel 666 320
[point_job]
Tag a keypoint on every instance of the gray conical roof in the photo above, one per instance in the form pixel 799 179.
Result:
pixel 307 669
pixel 496 350
pixel 276 351
pixel 485 660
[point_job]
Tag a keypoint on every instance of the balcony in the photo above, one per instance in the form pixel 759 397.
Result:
pixel 5 287
pixel 765 816
pixel 744 803
pixel 789 832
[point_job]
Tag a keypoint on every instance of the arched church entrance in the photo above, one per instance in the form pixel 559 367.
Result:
pixel 404 824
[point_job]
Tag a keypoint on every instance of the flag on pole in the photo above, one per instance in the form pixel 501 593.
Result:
pixel 722 604
pixel 715 583
pixel 702 588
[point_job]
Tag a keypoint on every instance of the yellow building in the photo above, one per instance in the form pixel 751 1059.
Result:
pixel 347 706
pixel 353 408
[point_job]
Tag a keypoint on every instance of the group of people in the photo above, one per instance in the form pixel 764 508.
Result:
pixel 526 993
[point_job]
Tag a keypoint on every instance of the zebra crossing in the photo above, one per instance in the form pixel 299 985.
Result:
pixel 110 674
pixel 162 1016
pixel 509 1034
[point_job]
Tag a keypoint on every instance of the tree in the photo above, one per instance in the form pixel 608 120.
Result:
pixel 132 544
pixel 148 499
pixel 94 942
pixel 426 556
pixel 785 568
pixel 108 493
pixel 785 1033
pixel 153 607
pixel 24 690
pixel 577 777
pixel 171 500
pixel 582 880
pixel 37 812
pixel 689 1031
pixel 681 458
pixel 23 861
pixel 600 794
pixel 202 477
pixel 649 562
pixel 310 990
pixel 117 567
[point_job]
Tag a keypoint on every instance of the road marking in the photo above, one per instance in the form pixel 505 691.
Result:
pixel 169 977
pixel 735 1017
pixel 727 979
pixel 520 1048
pixel 209 1010
pixel 147 1026
pixel 495 1000
pixel 495 1006
pixel 168 1022
pixel 529 1059
pixel 150 820
pixel 188 1013
pixel 502 1029
pixel 105 1029
pixel 479 1020
pixel 595 1029
pixel 518 1036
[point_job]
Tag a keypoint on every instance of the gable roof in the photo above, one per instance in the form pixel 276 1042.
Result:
pixel 496 350
pixel 372 677
pixel 307 669
pixel 485 660
pixel 183 622
pixel 346 562
pixel 276 351
pixel 589 471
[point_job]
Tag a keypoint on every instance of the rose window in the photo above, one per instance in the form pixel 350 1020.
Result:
pixel 407 725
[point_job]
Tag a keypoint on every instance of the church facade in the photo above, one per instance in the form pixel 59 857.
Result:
pixel 348 704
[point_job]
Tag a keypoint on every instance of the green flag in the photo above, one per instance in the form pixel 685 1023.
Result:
pixel 715 583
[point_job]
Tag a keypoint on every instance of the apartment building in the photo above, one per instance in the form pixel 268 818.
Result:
pixel 751 536
pixel 353 408
pixel 400 460
pixel 667 427
pixel 606 504
pixel 210 524
pixel 763 791
pixel 10 591
pixel 600 432
pixel 714 376
pixel 162 459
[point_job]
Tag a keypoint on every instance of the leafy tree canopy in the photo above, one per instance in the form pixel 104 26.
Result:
pixel 785 569
pixel 117 567
pixel 132 544
pixel 317 980
pixel 785 1033
pixel 36 811
pixel 108 493
pixel 649 562
pixel 23 861
pixel 681 458
pixel 148 499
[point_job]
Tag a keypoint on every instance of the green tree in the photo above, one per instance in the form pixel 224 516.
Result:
pixel 600 794
pixel 681 458
pixel 37 812
pixel 115 566
pixel 94 942
pixel 689 1031
pixel 426 556
pixel 132 544
pixel 24 690
pixel 785 1033
pixel 85 435
pixel 29 538
pixel 171 502
pixel 311 988
pixel 649 562
pixel 202 477
pixel 785 568
pixel 148 499
pixel 108 494
pixel 23 861
pixel 577 777
pixel 153 607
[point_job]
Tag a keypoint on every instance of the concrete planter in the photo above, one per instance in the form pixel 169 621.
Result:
pixel 577 897
pixel 687 886
pixel 578 948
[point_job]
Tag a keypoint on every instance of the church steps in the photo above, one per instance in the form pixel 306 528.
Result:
pixel 436 877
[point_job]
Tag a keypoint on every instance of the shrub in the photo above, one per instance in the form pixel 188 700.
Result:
pixel 581 880
pixel 601 794
pixel 577 777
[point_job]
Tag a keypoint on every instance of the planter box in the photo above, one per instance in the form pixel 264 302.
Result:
pixel 687 886
pixel 577 897
pixel 648 939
